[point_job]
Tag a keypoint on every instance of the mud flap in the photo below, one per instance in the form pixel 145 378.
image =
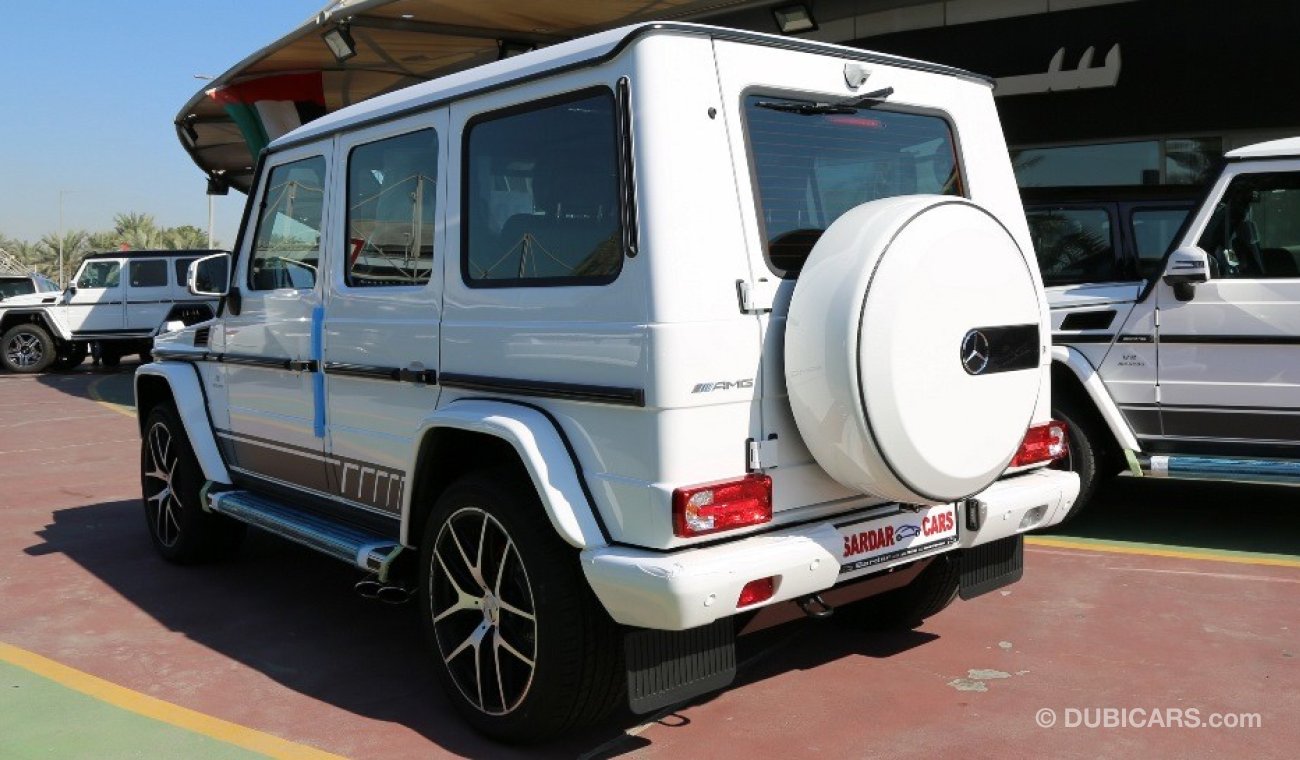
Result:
pixel 667 667
pixel 991 566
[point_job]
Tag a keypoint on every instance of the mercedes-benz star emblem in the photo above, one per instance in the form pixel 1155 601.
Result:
pixel 975 352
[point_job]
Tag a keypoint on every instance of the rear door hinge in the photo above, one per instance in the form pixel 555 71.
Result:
pixel 756 297
pixel 762 455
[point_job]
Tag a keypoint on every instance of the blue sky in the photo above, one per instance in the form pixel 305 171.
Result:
pixel 87 97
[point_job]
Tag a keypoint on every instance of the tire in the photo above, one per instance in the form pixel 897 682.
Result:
pixel 71 357
pixel 907 607
pixel 1091 456
pixel 27 348
pixel 109 357
pixel 521 599
pixel 171 480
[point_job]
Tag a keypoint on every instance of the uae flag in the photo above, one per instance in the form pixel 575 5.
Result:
pixel 268 107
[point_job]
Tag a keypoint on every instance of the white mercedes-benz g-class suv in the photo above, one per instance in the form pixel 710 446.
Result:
pixel 1193 371
pixel 610 350
pixel 116 303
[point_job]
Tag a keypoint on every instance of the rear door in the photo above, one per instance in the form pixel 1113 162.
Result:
pixel 384 305
pixel 802 171
pixel 148 294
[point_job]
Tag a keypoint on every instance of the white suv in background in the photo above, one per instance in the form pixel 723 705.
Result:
pixel 609 351
pixel 1194 372
pixel 116 303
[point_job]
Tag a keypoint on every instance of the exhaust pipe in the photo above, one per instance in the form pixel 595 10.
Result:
pixel 387 593
pixel 814 606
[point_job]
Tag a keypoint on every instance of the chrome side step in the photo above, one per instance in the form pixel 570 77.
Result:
pixel 1278 471
pixel 358 547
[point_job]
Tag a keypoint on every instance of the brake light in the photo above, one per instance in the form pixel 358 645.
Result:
pixel 757 591
pixel 1043 443
pixel 725 505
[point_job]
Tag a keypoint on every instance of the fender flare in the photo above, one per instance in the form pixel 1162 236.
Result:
pixel 542 449
pixel 47 320
pixel 191 404
pixel 1078 365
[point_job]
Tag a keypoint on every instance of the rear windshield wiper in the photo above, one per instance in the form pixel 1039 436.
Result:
pixel 843 107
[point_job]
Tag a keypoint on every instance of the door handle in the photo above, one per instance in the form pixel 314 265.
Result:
pixel 416 373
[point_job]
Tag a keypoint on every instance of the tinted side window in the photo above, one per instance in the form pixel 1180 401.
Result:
pixel 542 202
pixel 286 250
pixel 392 188
pixel 100 274
pixel 811 167
pixel 1255 230
pixel 1153 233
pixel 1074 245
pixel 15 287
pixel 150 273
pixel 183 270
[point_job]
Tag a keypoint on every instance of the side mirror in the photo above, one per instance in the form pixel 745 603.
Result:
pixel 209 276
pixel 1186 268
pixel 72 289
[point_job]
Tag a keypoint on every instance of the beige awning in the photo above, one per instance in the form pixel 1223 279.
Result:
pixel 397 43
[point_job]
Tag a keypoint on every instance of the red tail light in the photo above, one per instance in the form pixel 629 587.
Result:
pixel 757 591
pixel 725 505
pixel 1043 443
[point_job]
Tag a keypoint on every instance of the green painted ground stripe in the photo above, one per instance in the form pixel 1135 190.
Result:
pixel 42 719
pixel 1165 550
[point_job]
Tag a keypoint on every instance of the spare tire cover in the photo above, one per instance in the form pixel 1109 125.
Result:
pixel 913 347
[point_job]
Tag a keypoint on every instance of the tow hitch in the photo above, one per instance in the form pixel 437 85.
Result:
pixel 814 606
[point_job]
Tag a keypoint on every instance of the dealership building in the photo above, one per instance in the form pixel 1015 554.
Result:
pixel 1091 92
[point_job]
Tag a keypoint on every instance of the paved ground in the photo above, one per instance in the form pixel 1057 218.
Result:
pixel 1171 598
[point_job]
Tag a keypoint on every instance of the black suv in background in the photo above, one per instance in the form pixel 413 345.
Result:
pixel 1088 235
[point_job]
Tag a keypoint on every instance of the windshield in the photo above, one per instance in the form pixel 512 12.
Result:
pixel 813 165
pixel 16 287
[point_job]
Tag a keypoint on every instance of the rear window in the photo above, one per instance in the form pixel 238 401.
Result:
pixel 16 287
pixel 811 167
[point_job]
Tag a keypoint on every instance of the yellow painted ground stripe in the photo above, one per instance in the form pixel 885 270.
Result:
pixel 93 390
pixel 166 712
pixel 1155 551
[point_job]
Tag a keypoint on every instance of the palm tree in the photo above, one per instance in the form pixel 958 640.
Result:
pixel 137 230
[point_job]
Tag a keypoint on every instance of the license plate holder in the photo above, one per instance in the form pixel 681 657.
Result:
pixel 911 532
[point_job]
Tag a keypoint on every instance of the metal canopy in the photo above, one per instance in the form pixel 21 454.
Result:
pixel 397 43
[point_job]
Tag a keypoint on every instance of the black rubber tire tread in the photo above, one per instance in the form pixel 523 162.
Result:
pixel 1092 453
pixel 580 673
pixel 204 536
pixel 109 357
pixel 904 608
pixel 48 355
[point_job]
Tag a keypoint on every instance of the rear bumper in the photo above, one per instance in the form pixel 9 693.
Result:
pixel 693 587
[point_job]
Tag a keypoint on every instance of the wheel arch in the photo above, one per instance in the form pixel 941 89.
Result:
pixel 475 433
pixel 179 384
pixel 1073 374
pixel 12 317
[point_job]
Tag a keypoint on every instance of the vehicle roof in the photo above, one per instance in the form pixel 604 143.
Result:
pixel 1179 194
pixel 152 253
pixel 1285 147
pixel 584 51
pixel 12 276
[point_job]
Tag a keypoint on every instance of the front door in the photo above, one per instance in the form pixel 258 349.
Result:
pixel 1230 357
pixel 270 359
pixel 384 302
pixel 97 305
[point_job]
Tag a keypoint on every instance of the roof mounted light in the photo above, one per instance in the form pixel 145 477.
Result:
pixel 340 42
pixel 793 19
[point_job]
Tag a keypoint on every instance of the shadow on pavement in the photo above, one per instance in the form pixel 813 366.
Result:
pixel 288 613
pixel 1194 514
